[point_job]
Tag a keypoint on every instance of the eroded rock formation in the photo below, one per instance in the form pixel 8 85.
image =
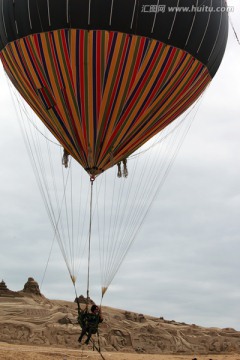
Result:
pixel 36 320
pixel 84 300
pixel 4 291
pixel 31 287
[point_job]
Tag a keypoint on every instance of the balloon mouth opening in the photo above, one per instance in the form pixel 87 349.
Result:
pixel 93 171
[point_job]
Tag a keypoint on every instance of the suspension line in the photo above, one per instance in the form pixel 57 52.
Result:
pixel 92 178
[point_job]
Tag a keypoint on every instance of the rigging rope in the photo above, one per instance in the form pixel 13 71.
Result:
pixel 235 32
pixel 123 212
pixel 33 146
pixel 48 259
pixel 165 133
pixel 132 200
pixel 89 239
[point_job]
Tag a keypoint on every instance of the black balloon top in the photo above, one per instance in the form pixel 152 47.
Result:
pixel 199 27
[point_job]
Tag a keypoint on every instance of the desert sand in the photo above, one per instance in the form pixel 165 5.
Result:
pixel 34 327
pixel 21 352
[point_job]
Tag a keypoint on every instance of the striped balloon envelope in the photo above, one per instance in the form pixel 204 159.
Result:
pixel 105 76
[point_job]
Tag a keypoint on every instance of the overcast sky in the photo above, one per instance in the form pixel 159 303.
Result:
pixel 184 264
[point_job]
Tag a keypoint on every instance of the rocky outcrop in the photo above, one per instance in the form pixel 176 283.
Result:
pixel 36 320
pixel 31 287
pixel 3 286
pixel 135 317
pixel 4 291
pixel 65 320
pixel 84 300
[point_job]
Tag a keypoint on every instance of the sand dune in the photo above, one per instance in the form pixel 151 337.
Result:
pixel 33 327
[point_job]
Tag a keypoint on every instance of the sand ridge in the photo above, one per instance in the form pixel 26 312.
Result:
pixel 36 321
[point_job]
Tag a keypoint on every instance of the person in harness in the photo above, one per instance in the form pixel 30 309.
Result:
pixel 89 322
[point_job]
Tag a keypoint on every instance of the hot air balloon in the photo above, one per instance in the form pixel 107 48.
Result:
pixel 105 76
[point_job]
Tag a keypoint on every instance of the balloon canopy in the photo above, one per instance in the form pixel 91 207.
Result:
pixel 106 75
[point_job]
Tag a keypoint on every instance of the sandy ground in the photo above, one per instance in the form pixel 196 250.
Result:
pixel 48 329
pixel 20 352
